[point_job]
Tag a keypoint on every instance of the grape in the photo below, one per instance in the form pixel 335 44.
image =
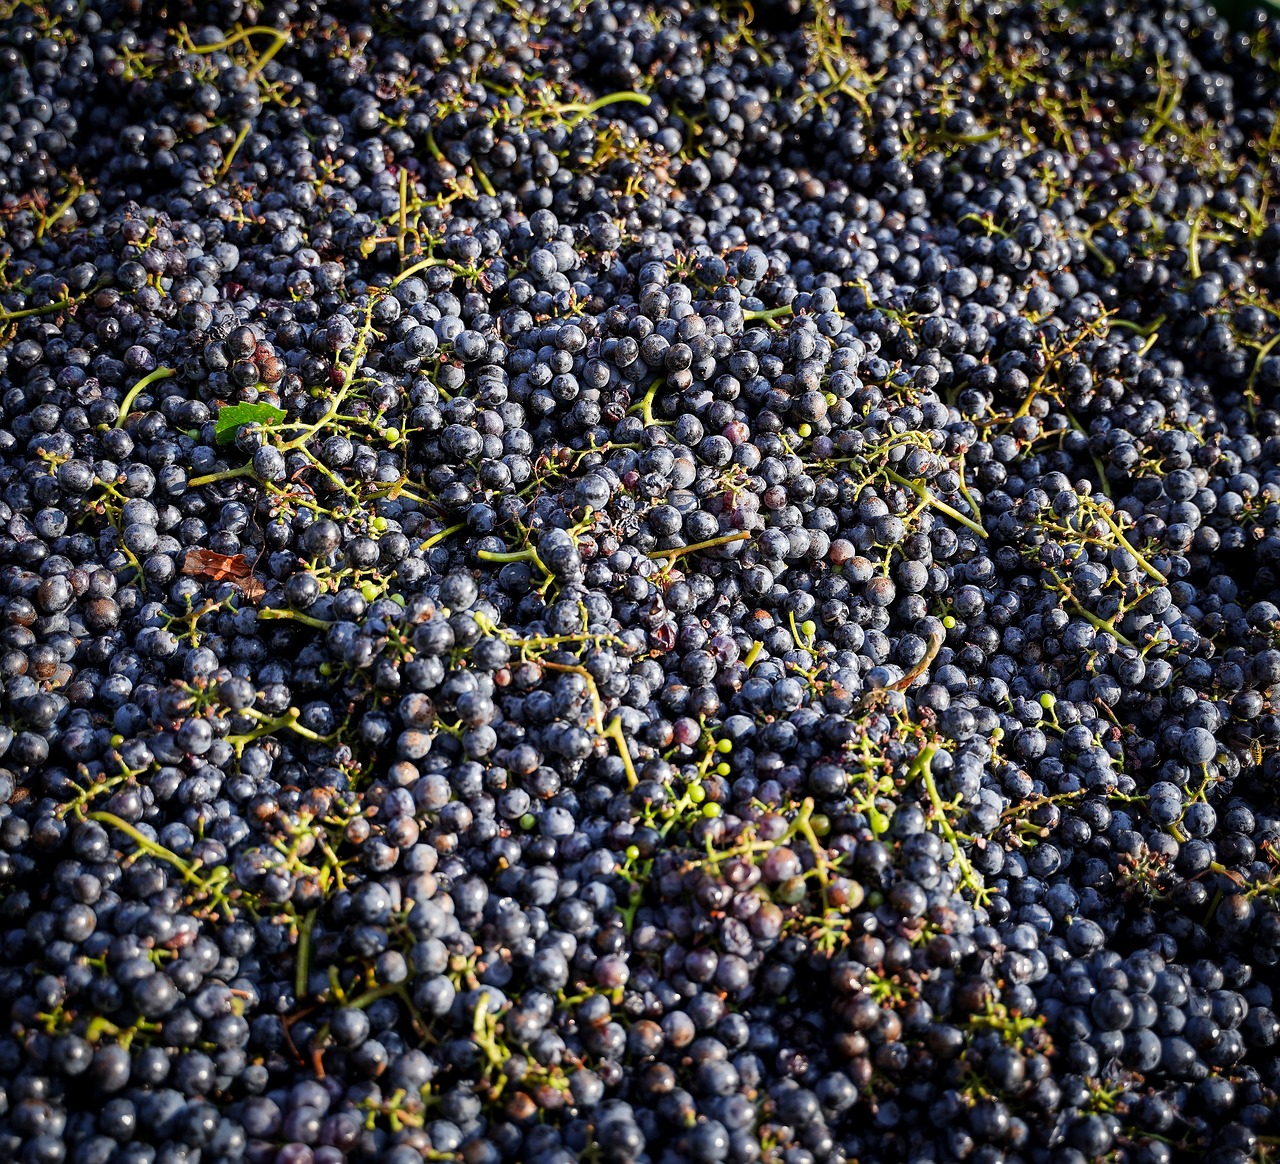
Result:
pixel 579 583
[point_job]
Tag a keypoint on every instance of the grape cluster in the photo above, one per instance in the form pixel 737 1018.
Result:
pixel 639 582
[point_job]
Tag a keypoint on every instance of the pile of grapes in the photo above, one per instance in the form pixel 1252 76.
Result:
pixel 639 582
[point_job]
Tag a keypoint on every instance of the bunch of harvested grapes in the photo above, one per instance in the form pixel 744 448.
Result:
pixel 639 582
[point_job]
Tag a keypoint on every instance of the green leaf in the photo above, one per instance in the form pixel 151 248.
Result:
pixel 235 416
pixel 1237 12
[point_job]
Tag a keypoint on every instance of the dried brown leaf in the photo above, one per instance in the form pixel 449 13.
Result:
pixel 224 568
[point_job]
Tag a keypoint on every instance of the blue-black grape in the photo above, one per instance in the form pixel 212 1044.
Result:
pixel 639 585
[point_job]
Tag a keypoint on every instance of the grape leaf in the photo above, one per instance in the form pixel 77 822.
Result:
pixel 1237 13
pixel 234 417
pixel 202 563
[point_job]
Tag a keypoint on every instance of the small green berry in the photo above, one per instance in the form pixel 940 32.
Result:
pixel 790 892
